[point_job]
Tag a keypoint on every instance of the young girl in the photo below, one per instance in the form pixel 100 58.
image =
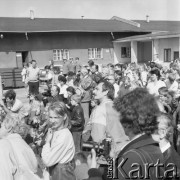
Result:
pixel 59 149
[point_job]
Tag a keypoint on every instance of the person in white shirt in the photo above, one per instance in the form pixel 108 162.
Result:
pixel 7 168
pixel 59 149
pixel 24 76
pixel 111 79
pixel 12 130
pixel 33 78
pixel 155 83
pixel 171 83
pixel 63 86
pixel 13 104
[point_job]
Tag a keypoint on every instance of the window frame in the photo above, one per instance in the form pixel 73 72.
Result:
pixel 95 53
pixel 165 57
pixel 127 52
pixel 60 54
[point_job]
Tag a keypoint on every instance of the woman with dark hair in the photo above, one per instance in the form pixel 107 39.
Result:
pixel 70 91
pixel 139 112
pixel 155 82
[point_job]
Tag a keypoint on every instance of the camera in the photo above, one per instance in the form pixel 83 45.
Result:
pixel 100 148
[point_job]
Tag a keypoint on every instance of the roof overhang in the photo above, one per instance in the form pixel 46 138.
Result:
pixel 149 37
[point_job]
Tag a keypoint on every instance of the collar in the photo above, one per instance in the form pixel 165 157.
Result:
pixel 134 138
pixel 105 100
pixel 164 148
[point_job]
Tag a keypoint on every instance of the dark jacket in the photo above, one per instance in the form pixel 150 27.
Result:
pixel 135 154
pixel 77 119
pixel 87 85
pixel 57 98
pixel 171 156
pixel 94 174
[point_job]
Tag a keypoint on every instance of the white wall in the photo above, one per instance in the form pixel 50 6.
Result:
pixel 172 43
pixel 117 51
pixel 8 60
pixel 42 57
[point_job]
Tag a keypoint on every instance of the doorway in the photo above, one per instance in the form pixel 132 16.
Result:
pixel 21 58
pixel 176 55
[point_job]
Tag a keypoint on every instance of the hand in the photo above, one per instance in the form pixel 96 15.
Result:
pixel 178 127
pixel 49 135
pixel 92 159
pixel 38 142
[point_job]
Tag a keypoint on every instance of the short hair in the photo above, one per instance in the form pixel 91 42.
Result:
pixel 47 67
pixel 77 58
pixel 81 157
pixel 156 72
pixel 76 98
pixel 118 72
pixel 62 78
pixel 17 124
pixel 139 110
pixel 11 94
pixel 60 109
pixel 70 74
pixel 57 88
pixel 71 89
pixel 91 63
pixel 97 78
pixel 167 120
pixel 96 67
pixel 118 65
pixel 107 86
pixel 33 61
pixel 163 90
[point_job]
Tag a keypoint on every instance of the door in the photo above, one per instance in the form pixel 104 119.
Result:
pixel 176 55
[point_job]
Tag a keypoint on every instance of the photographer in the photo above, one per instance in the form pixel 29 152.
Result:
pixel 105 122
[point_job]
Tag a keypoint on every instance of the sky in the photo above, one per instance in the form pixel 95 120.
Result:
pixel 92 9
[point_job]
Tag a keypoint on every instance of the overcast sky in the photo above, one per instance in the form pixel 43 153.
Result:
pixel 93 9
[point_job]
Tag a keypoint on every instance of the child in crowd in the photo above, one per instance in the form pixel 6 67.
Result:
pixel 81 170
pixel 59 149
pixel 77 120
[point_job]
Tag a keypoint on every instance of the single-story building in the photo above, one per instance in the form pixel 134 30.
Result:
pixel 42 39
pixel 162 44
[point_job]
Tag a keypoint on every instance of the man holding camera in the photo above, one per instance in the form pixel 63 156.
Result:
pixel 105 122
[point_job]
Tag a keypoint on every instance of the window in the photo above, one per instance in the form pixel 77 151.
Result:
pixel 125 52
pixel 60 54
pixel 167 55
pixel 95 53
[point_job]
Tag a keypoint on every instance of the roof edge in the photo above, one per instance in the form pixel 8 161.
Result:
pixel 126 21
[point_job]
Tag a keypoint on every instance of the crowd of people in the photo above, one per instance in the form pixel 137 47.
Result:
pixel 135 108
